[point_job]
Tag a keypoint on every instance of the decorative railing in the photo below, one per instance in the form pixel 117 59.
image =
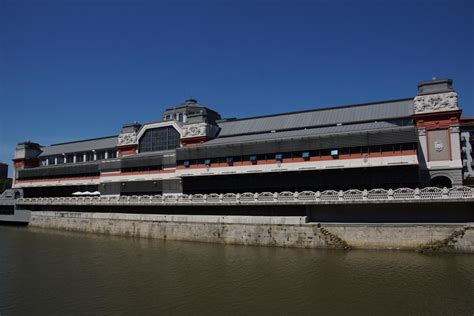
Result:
pixel 305 197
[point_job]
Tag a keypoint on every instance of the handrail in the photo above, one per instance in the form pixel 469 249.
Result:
pixel 286 197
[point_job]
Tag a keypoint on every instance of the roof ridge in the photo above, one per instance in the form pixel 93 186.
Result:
pixel 311 127
pixel 82 140
pixel 367 130
pixel 316 110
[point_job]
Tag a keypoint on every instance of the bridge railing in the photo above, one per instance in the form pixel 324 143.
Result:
pixel 304 197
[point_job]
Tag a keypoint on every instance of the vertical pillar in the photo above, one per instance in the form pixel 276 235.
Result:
pixel 436 114
pixel 455 140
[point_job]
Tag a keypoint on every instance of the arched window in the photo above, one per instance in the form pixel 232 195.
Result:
pixel 161 138
pixel 441 182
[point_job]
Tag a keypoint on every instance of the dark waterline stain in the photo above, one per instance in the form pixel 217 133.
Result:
pixel 53 272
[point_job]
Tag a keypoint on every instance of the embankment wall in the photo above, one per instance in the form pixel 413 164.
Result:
pixel 291 231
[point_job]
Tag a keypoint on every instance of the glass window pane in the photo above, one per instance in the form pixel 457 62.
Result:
pixel 162 138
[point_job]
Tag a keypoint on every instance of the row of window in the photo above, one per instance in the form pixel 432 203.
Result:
pixel 7 210
pixel 79 157
pixel 302 154
pixel 177 116
pixel 156 139
pixel 146 168
pixel 78 175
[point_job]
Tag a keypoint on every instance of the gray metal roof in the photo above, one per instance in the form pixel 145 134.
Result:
pixel 79 146
pixel 371 137
pixel 304 133
pixel 322 117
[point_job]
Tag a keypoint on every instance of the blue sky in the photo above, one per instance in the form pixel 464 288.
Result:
pixel 81 69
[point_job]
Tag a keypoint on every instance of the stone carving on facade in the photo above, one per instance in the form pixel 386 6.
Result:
pixel 194 130
pixel 439 146
pixel 422 132
pixel 436 102
pixel 198 130
pixel 454 129
pixel 127 139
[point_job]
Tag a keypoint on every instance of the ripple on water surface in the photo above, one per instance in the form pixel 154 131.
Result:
pixel 56 272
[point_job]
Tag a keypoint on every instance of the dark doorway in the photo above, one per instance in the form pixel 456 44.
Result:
pixel 441 182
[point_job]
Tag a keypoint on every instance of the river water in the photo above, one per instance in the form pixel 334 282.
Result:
pixel 51 272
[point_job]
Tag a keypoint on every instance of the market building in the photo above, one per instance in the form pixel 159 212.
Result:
pixel 410 142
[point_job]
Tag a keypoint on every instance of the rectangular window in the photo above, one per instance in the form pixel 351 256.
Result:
pixel 207 162
pixel 89 156
pixel 315 153
pixel 69 158
pixel 409 146
pixel 387 148
pixel 343 151
pixel 325 152
pixel 186 163
pixel 80 157
pixel 112 154
pixel 375 149
pixel 279 157
pixel 334 152
pixel 229 160
pixel 101 155
pixel 237 158
pixel 305 154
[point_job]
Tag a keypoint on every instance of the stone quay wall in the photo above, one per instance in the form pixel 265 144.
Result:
pixel 291 231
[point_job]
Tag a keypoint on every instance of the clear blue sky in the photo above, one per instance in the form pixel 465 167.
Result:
pixel 80 69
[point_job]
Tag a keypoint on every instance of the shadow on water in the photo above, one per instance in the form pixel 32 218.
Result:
pixel 56 272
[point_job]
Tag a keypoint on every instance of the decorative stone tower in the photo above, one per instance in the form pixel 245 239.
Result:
pixel 127 140
pixel 437 115
pixel 197 133
pixel 199 122
pixel 26 156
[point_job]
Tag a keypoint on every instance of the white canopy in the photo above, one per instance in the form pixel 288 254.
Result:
pixel 86 193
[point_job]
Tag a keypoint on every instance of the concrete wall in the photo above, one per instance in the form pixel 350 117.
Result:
pixel 266 231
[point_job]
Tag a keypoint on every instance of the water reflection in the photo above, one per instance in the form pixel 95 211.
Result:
pixel 56 272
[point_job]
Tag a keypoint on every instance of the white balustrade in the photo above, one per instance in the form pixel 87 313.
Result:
pixel 329 195
pixel 404 194
pixel 307 196
pixel 199 198
pixel 213 198
pixel 431 193
pixel 353 195
pixel 377 194
pixel 265 197
pixel 460 192
pixel 229 198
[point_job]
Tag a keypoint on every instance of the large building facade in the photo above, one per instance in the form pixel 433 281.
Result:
pixel 412 142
